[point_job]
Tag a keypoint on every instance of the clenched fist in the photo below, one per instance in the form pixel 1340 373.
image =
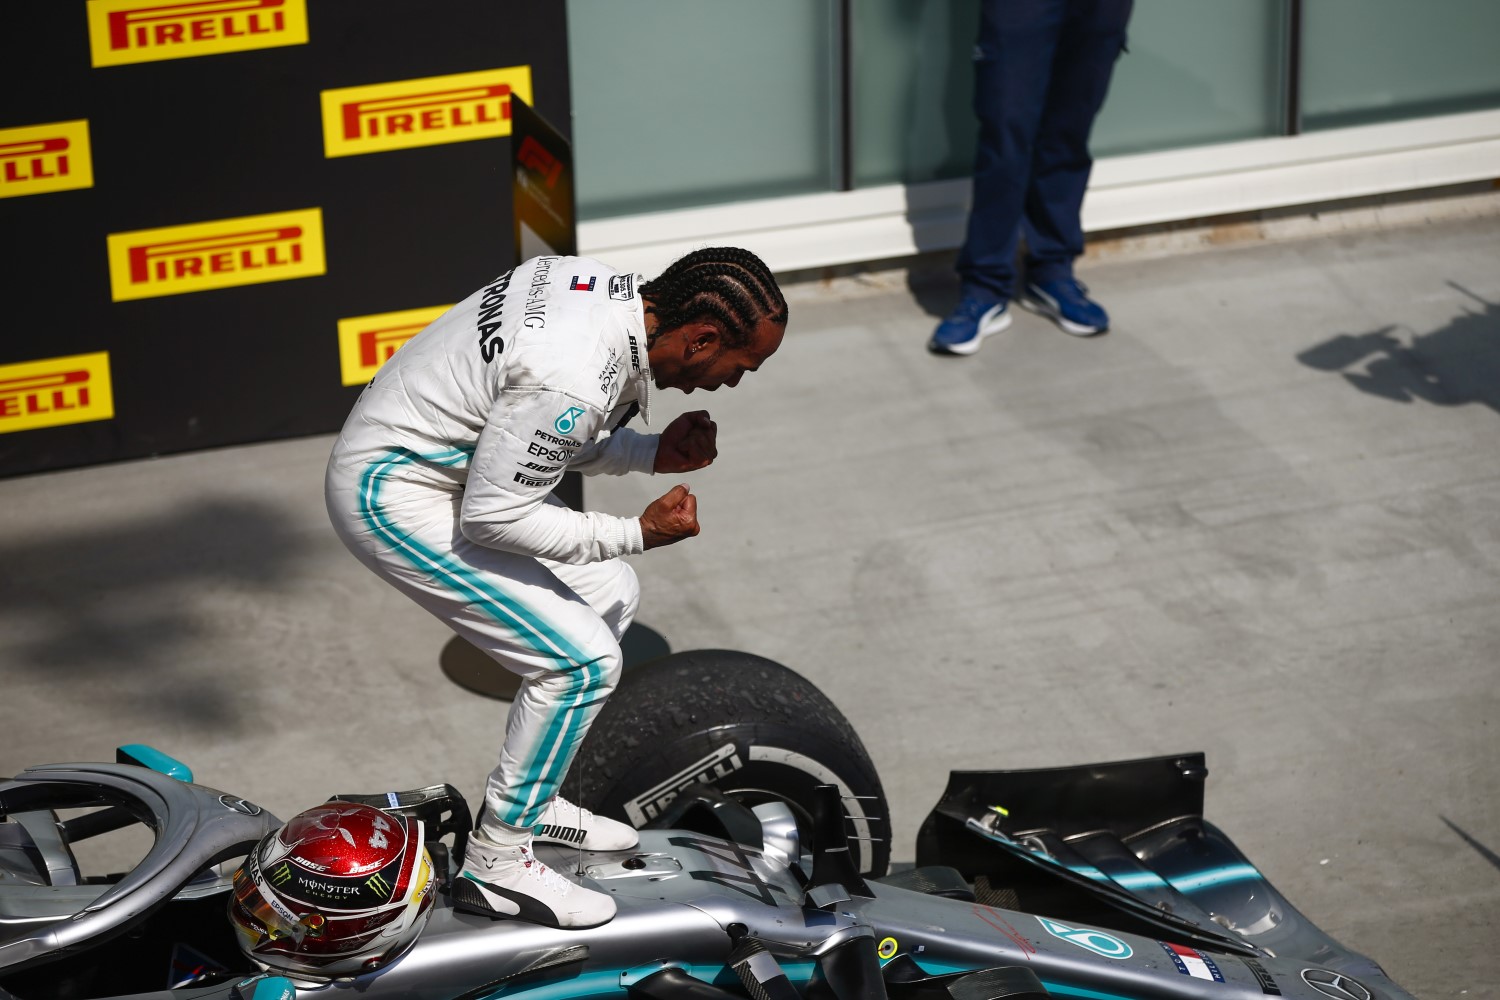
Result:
pixel 689 443
pixel 670 518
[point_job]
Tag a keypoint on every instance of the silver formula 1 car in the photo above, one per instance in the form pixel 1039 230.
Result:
pixel 759 874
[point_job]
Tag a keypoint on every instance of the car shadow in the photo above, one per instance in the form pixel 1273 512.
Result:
pixel 1456 364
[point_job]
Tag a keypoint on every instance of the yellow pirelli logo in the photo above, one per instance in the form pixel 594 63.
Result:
pixel 195 258
pixel 37 159
pixel 424 112
pixel 367 342
pixel 133 31
pixel 71 390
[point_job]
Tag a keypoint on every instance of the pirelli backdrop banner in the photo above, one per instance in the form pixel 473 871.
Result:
pixel 221 216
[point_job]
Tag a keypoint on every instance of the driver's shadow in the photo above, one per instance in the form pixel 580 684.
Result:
pixel 1455 364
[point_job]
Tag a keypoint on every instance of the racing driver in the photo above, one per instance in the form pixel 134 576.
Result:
pixel 441 482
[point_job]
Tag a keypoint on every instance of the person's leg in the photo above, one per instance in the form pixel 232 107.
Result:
pixel 558 698
pixel 520 613
pixel 1012 66
pixel 612 591
pixel 1011 60
pixel 1091 39
pixel 611 588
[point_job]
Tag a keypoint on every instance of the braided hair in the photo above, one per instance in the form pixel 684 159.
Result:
pixel 726 284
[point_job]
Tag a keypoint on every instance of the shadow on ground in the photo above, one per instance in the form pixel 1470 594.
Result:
pixel 1457 363
pixel 935 292
pixel 1480 849
pixel 110 610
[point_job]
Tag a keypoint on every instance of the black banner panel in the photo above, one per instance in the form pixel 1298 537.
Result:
pixel 221 216
pixel 542 174
pixel 543 212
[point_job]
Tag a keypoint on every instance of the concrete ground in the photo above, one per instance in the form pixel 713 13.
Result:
pixel 1260 518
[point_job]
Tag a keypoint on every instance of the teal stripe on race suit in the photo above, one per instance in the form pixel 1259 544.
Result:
pixel 543 771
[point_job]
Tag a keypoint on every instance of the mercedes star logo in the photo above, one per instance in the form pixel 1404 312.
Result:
pixel 239 805
pixel 1331 984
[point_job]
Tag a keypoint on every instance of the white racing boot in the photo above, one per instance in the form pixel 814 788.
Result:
pixel 565 823
pixel 510 882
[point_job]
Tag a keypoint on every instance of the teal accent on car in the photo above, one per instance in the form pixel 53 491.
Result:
pixel 264 988
pixel 142 755
pixel 1214 876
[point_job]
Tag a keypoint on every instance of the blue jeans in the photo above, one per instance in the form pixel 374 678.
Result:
pixel 1041 72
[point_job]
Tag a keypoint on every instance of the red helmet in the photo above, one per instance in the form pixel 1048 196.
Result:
pixel 340 889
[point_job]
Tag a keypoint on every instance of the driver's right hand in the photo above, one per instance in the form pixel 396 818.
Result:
pixel 670 518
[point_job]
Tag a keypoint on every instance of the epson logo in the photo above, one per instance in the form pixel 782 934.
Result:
pixel 551 454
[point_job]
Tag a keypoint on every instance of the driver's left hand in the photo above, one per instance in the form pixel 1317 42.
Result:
pixel 689 443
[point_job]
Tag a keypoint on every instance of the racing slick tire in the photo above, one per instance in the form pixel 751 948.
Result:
pixel 755 730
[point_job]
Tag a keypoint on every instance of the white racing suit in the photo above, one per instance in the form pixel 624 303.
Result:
pixel 441 483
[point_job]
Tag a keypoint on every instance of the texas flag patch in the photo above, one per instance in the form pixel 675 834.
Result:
pixel 578 285
pixel 1193 963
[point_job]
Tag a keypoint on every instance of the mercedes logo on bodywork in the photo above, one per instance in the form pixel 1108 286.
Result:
pixel 239 805
pixel 1331 984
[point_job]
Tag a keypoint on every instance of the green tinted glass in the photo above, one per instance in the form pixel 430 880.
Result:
pixel 1379 60
pixel 693 102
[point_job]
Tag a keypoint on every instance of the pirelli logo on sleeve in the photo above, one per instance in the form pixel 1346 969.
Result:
pixel 367 342
pixel 423 112
pixel 37 159
pixel 205 255
pixel 133 31
pixel 71 390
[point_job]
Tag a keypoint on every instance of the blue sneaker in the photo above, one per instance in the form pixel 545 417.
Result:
pixel 1066 302
pixel 967 325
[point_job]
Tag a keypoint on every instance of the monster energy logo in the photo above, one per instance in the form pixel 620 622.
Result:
pixel 378 884
pixel 281 874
